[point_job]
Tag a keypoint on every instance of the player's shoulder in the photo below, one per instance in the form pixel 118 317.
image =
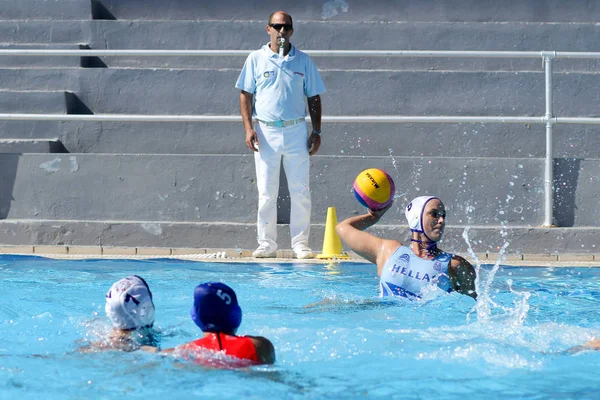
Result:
pixel 458 261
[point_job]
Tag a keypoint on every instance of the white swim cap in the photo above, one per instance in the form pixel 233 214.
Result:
pixel 129 304
pixel 414 212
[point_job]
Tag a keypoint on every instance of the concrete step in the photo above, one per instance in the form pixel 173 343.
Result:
pixel 377 10
pixel 51 31
pixel 31 146
pixel 32 101
pixel 313 35
pixel 557 244
pixel 45 10
pixel 163 91
pixel 39 61
pixel 342 35
pixel 413 140
pixel 212 188
pixel 423 93
pixel 34 130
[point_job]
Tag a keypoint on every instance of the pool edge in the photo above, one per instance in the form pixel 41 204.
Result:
pixel 244 255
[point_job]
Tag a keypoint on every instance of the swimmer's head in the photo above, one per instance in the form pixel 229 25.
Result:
pixel 129 304
pixel 216 308
pixel 414 212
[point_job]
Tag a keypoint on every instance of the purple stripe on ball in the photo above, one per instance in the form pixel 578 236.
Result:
pixel 365 201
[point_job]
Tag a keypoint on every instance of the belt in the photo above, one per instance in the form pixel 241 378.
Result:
pixel 282 124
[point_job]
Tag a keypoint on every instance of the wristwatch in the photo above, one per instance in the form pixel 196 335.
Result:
pixel 317 132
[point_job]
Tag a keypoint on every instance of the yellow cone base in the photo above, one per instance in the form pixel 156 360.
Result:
pixel 332 244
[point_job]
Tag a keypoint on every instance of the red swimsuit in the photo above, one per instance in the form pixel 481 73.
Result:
pixel 234 346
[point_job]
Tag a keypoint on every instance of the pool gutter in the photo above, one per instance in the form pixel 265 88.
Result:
pixel 283 256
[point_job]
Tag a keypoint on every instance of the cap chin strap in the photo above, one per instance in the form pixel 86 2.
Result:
pixel 431 247
pixel 138 328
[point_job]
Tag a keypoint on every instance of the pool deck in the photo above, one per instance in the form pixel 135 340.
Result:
pixel 283 256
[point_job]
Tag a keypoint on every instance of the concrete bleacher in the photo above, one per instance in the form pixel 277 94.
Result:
pixel 192 184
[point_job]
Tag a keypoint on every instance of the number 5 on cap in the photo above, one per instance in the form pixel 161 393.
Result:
pixel 224 296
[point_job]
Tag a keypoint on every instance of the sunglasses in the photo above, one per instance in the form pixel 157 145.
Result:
pixel 277 27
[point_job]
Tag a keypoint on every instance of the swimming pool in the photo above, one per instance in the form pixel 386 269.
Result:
pixel 334 337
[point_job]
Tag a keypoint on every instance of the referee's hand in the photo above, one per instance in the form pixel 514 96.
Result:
pixel 314 142
pixel 252 140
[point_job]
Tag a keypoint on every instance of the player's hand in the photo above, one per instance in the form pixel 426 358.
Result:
pixel 379 213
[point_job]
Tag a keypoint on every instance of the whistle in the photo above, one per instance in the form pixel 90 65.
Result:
pixel 281 46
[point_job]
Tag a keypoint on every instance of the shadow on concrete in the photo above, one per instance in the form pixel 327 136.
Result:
pixel 99 11
pixel 74 105
pixel 90 62
pixel 56 146
pixel 566 177
pixel 8 165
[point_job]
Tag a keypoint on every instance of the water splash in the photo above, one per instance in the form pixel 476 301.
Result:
pixel 153 229
pixel 483 282
pixel 330 8
pixel 397 195
pixel 391 151
pixel 74 165
pixel 52 165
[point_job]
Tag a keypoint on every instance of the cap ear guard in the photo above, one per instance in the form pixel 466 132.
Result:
pixel 414 212
pixel 145 284
pixel 414 215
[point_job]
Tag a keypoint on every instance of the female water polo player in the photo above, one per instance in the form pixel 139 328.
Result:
pixel 217 313
pixel 130 309
pixel 409 270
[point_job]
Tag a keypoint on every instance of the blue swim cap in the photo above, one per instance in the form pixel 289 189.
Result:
pixel 216 308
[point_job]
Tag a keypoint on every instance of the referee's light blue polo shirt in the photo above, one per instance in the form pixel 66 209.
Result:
pixel 280 85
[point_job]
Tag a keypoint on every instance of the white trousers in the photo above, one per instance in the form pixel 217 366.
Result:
pixel 290 146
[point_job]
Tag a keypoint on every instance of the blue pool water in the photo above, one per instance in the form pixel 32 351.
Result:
pixel 334 337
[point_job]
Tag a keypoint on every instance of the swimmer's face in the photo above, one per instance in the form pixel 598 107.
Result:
pixel 434 219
